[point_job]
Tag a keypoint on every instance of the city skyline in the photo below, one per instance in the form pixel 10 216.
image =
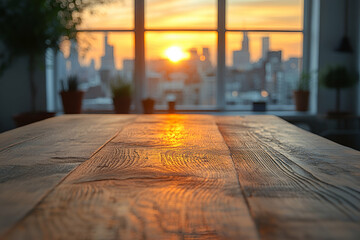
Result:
pixel 182 65
pixel 192 80
pixel 155 49
pixel 202 14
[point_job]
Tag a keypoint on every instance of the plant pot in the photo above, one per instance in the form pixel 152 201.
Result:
pixel 259 106
pixel 23 119
pixel 301 100
pixel 148 105
pixel 171 105
pixel 336 114
pixel 122 105
pixel 72 101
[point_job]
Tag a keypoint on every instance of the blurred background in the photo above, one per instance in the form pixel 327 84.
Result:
pixel 229 57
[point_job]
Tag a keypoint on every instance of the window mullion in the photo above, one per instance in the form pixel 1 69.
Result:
pixel 221 68
pixel 139 68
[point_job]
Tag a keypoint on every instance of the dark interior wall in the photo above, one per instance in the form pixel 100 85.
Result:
pixel 357 10
pixel 331 31
pixel 15 91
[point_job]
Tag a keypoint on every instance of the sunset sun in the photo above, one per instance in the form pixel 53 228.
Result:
pixel 175 54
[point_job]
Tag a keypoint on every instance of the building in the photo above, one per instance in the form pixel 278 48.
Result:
pixel 241 58
pixel 107 69
pixel 265 47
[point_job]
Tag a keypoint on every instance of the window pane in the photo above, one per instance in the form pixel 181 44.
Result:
pixel 95 59
pixel 181 14
pixel 112 15
pixel 262 67
pixel 261 14
pixel 181 67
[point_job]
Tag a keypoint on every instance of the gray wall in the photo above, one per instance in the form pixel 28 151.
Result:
pixel 358 56
pixel 15 91
pixel 331 29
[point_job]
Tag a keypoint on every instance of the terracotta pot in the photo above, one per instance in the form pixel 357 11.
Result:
pixel 122 105
pixel 259 106
pixel 72 101
pixel 23 119
pixel 171 105
pixel 301 100
pixel 148 105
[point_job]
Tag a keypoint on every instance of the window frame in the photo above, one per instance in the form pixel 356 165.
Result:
pixel 139 31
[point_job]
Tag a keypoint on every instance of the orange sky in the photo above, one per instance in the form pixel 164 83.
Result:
pixel 244 14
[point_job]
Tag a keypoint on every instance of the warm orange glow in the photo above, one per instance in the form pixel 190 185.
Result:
pixel 264 93
pixel 175 54
pixel 174 132
pixel 171 14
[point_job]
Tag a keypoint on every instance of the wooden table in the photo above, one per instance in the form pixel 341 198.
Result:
pixel 175 177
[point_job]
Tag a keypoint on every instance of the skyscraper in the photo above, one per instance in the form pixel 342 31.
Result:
pixel 73 58
pixel 107 69
pixel 205 60
pixel 241 58
pixel 107 61
pixel 245 43
pixel 265 47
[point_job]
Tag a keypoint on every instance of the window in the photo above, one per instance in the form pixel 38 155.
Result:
pixel 95 59
pixel 262 66
pixel 264 52
pixel 265 15
pixel 181 66
pixel 201 14
pixel 190 54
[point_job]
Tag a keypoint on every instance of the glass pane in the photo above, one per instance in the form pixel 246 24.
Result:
pixel 113 14
pixel 181 67
pixel 181 14
pixel 262 67
pixel 269 14
pixel 95 59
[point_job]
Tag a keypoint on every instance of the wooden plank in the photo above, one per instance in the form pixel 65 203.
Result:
pixel 298 185
pixel 35 158
pixel 162 177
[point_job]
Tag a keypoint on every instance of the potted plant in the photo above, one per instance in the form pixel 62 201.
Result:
pixel 301 94
pixel 29 28
pixel 148 105
pixel 121 93
pixel 337 77
pixel 72 97
pixel 259 106
pixel 171 106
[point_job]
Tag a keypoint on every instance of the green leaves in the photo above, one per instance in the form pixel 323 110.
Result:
pixel 30 27
pixel 120 88
pixel 304 80
pixel 72 84
pixel 337 77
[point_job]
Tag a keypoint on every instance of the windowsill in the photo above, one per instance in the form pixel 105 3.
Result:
pixel 283 113
pixel 277 110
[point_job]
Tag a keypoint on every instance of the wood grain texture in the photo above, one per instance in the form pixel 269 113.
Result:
pixel 35 158
pixel 298 185
pixel 161 177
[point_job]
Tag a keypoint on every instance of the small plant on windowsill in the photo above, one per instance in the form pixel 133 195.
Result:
pixel 71 97
pixel 121 93
pixel 148 105
pixel 301 94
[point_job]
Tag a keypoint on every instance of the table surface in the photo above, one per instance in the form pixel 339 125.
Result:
pixel 175 177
